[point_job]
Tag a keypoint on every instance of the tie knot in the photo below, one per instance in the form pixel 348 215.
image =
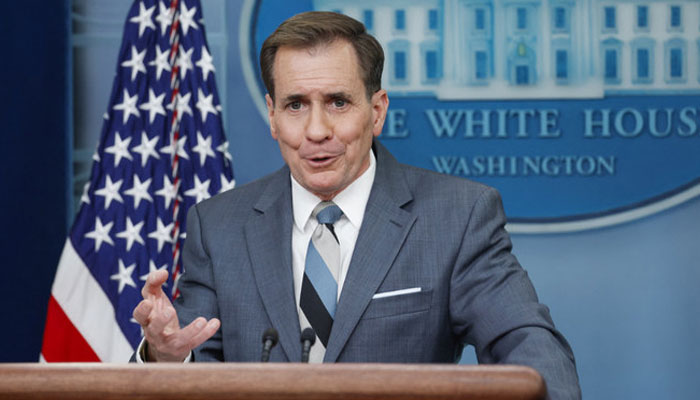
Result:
pixel 327 212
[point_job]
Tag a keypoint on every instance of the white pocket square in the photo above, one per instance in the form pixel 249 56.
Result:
pixel 396 293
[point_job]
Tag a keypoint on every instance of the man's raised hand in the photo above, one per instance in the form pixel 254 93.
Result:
pixel 161 327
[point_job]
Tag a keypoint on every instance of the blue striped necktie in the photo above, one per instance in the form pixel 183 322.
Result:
pixel 319 289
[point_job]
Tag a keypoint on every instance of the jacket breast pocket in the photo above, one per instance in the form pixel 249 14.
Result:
pixel 397 305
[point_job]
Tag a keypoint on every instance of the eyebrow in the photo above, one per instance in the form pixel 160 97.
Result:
pixel 338 95
pixel 293 97
pixel 330 96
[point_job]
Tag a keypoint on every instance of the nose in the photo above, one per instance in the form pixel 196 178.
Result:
pixel 318 127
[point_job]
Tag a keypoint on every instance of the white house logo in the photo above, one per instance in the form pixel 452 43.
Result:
pixel 582 113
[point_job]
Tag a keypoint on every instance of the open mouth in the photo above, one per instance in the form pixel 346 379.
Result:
pixel 321 161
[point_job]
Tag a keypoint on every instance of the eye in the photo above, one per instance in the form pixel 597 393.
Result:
pixel 295 105
pixel 339 103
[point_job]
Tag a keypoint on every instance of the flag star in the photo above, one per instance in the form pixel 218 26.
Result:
pixel 181 105
pixel 184 61
pixel 124 276
pixel 168 191
pixel 204 104
pixel 200 191
pixel 128 106
pixel 203 147
pixel 100 234
pixel 226 184
pixel 205 63
pixel 96 156
pixel 165 17
pixel 136 62
pixel 161 61
pixel 132 233
pixel 187 17
pixel 162 234
pixel 85 198
pixel 154 105
pixel 139 191
pixel 120 149
pixel 110 191
pixel 180 151
pixel 147 148
pixel 223 148
pixel 144 19
pixel 151 268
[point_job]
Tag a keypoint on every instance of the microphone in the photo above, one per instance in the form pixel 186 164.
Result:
pixel 269 340
pixel 308 338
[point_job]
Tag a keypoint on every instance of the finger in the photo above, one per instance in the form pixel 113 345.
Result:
pixel 142 311
pixel 160 319
pixel 208 331
pixel 198 331
pixel 154 283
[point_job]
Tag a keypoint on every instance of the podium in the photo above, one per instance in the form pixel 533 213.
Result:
pixel 255 381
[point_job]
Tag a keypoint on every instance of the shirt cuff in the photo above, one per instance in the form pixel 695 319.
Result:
pixel 141 353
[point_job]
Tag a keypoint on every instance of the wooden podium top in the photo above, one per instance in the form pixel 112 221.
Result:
pixel 268 381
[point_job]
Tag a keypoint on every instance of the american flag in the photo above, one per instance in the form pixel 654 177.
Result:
pixel 162 149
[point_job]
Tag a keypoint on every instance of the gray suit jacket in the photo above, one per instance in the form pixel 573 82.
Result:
pixel 421 229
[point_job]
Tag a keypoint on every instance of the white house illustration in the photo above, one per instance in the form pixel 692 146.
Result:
pixel 495 49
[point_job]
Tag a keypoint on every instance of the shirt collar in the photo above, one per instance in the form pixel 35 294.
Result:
pixel 352 200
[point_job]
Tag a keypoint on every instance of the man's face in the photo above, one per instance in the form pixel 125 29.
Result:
pixel 321 116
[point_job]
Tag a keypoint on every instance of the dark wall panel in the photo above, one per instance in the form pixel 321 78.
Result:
pixel 33 167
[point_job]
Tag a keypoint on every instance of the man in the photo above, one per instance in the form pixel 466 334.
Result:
pixel 422 261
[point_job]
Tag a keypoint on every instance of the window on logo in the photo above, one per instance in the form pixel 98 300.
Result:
pixel 400 20
pixel 610 18
pixel 522 75
pixel 368 19
pixel 643 63
pixel 522 18
pixel 560 18
pixel 431 64
pixel 481 65
pixel 675 16
pixel 610 64
pixel 676 70
pixel 400 65
pixel 433 19
pixel 562 61
pixel 642 17
pixel 480 19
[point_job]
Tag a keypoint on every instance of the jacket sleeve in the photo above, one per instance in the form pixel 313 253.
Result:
pixel 494 307
pixel 198 289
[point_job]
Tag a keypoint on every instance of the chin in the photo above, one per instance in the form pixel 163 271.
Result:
pixel 322 182
pixel 323 190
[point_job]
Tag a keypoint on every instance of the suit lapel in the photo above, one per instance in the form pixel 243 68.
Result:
pixel 269 238
pixel 384 229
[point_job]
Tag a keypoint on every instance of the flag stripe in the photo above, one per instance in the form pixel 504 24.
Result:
pixel 62 341
pixel 88 308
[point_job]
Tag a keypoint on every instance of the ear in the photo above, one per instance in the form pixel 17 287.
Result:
pixel 380 105
pixel 271 115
